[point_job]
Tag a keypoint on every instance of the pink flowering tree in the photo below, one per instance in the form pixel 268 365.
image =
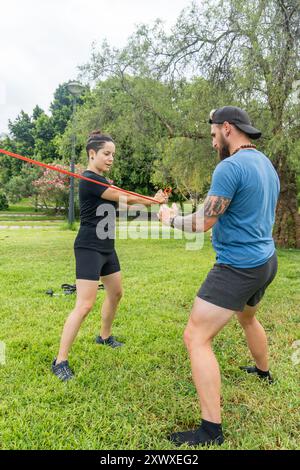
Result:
pixel 53 188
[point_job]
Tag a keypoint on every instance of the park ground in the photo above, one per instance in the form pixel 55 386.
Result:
pixel 132 398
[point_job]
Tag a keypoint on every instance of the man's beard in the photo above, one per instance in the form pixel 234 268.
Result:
pixel 224 151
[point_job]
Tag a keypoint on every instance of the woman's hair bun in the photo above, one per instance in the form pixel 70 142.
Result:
pixel 97 132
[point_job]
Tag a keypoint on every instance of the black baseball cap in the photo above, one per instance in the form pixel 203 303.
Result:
pixel 236 116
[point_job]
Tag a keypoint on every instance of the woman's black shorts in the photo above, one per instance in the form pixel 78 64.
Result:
pixel 91 264
pixel 233 288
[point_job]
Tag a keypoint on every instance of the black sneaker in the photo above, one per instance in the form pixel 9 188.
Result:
pixel 62 370
pixel 264 375
pixel 195 437
pixel 110 341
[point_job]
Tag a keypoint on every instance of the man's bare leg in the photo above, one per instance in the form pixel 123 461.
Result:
pixel 206 320
pixel 257 341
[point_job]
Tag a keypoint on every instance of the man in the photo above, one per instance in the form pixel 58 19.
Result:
pixel 240 207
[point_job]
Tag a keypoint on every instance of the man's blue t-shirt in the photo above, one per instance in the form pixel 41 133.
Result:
pixel 242 237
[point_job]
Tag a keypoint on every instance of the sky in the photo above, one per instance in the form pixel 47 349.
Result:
pixel 43 42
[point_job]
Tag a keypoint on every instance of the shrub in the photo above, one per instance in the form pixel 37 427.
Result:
pixel 3 202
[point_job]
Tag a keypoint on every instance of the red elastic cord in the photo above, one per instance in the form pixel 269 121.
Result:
pixel 75 175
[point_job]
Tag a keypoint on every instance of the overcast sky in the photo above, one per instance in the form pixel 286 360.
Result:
pixel 43 41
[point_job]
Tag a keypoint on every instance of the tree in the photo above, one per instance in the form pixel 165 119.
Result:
pixel 144 116
pixel 187 158
pixel 111 109
pixel 31 136
pixel 37 112
pixel 8 166
pixel 186 167
pixel 44 135
pixel 251 48
pixel 255 45
pixel 21 130
pixel 36 136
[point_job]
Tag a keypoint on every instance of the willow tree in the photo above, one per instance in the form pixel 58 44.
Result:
pixel 249 47
pixel 255 45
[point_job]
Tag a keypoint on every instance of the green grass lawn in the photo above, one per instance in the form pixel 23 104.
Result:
pixel 31 223
pixel 15 208
pixel 24 205
pixel 133 397
pixel 6 216
pixel 24 210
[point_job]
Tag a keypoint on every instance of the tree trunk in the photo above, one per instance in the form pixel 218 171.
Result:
pixel 287 225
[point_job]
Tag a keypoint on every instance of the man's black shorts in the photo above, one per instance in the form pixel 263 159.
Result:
pixel 233 288
pixel 91 264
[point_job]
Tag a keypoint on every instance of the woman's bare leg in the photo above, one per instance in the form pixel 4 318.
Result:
pixel 113 289
pixel 86 297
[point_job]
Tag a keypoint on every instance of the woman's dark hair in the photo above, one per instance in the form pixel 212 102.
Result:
pixel 97 140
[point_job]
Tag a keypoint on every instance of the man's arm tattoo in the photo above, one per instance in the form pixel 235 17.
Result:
pixel 214 206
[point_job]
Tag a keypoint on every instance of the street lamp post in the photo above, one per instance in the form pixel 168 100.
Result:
pixel 76 89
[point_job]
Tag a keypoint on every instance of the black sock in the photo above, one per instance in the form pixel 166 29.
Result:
pixel 262 373
pixel 213 429
pixel 207 433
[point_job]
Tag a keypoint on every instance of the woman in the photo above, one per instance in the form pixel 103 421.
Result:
pixel 94 250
